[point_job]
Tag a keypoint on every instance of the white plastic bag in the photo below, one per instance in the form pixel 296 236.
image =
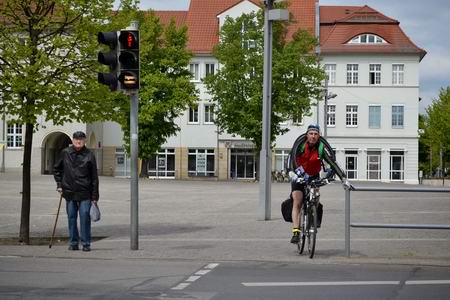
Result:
pixel 94 212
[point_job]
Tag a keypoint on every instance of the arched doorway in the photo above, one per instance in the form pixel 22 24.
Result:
pixel 52 146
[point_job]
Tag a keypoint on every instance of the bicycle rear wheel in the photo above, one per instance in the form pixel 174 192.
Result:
pixel 312 229
pixel 303 224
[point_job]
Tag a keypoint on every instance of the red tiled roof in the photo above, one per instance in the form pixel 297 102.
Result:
pixel 166 15
pixel 202 22
pixel 339 24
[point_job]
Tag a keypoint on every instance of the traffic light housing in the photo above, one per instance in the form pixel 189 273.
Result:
pixel 109 59
pixel 129 59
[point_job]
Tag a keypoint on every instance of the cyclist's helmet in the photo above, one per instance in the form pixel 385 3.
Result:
pixel 313 127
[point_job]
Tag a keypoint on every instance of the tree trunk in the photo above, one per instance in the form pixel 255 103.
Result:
pixel 144 168
pixel 26 187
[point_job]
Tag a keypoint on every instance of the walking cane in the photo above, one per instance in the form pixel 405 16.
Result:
pixel 56 221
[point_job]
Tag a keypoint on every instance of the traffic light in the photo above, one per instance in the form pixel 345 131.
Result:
pixel 129 59
pixel 109 59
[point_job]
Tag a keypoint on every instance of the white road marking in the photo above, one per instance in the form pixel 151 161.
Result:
pixel 420 282
pixel 197 275
pixel 342 283
pixel 211 266
pixel 318 283
pixel 181 286
pixel 202 272
pixel 193 278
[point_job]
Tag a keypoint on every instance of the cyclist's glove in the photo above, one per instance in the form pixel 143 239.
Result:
pixel 299 171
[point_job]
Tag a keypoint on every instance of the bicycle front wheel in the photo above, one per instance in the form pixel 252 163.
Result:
pixel 312 229
pixel 303 224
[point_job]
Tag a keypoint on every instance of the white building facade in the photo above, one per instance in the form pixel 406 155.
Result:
pixel 372 123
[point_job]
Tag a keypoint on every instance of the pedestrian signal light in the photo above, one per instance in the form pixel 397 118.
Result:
pixel 129 59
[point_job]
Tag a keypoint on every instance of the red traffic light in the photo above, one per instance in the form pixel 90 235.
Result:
pixel 129 39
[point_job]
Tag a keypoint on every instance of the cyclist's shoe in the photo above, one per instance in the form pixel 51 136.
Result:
pixel 295 236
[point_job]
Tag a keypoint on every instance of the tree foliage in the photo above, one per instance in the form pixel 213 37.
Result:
pixel 166 90
pixel 237 86
pixel 437 124
pixel 48 66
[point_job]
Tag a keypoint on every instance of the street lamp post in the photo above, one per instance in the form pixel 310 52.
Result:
pixel 327 97
pixel 270 15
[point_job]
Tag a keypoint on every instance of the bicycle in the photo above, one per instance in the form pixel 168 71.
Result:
pixel 308 214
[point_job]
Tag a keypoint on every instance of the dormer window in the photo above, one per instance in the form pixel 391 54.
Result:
pixel 367 39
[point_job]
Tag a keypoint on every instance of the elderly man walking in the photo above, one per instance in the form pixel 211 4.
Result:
pixel 77 179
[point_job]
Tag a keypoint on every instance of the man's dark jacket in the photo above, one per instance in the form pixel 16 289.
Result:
pixel 76 173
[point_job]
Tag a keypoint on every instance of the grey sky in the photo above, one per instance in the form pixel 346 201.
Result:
pixel 427 23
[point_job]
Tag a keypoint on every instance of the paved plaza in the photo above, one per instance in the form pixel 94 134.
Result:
pixel 210 220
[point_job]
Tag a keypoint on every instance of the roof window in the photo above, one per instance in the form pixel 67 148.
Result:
pixel 367 39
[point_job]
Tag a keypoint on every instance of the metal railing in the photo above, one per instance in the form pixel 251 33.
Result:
pixel 348 225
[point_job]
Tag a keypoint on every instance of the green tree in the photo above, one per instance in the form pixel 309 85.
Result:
pixel 48 62
pixel 166 90
pixel 237 86
pixel 438 122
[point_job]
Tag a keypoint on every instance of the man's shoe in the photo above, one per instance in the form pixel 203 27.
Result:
pixel 73 247
pixel 86 248
pixel 295 236
pixel 295 239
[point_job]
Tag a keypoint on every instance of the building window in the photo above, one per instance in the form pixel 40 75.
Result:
pixel 374 165
pixel 397 165
pixel 374 74
pixel 297 119
pixel 367 39
pixel 201 162
pixel 209 113
pixel 351 164
pixel 281 157
pixel 195 71
pixel 193 115
pixel 162 164
pixel 210 69
pixel 398 74
pixel 331 115
pixel 14 136
pixel 374 116
pixel 330 71
pixel 351 117
pixel 352 74
pixel 397 116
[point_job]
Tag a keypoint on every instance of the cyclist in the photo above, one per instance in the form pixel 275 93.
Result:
pixel 309 155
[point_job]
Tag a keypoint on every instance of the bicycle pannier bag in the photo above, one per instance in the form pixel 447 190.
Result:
pixel 286 209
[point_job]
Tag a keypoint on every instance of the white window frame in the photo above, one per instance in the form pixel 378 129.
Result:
pixel 162 156
pixel 194 113
pixel 375 69
pixel 367 36
pixel 396 126
pixel 283 154
pixel 198 153
pixel 402 170
pixel 378 171
pixel 331 115
pixel 14 136
pixel 352 115
pixel 330 71
pixel 208 109
pixel 354 74
pixel 354 155
pixel 368 117
pixel 208 68
pixel 398 76
pixel 194 68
